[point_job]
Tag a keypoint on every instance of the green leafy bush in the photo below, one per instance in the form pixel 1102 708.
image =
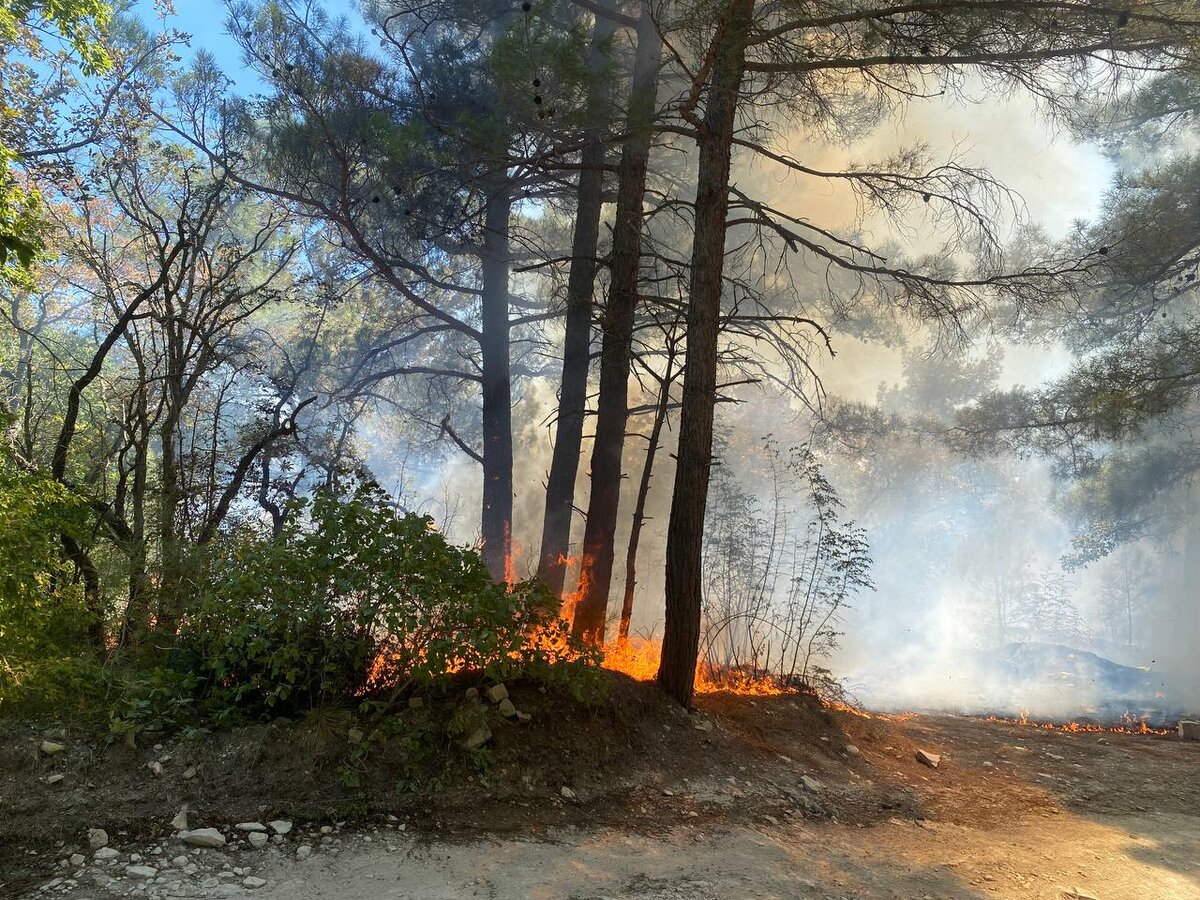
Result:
pixel 54 687
pixel 41 608
pixel 355 600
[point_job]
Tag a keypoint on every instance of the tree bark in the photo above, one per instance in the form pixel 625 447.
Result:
pixel 639 509
pixel 496 515
pixel 685 531
pixel 91 589
pixel 612 409
pixel 577 343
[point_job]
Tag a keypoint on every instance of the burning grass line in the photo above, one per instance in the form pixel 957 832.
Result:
pixel 1130 724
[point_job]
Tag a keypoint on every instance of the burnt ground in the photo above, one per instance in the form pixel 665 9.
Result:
pixel 657 803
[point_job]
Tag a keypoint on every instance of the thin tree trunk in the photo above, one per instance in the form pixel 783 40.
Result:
pixel 496 515
pixel 170 546
pixel 612 408
pixel 685 531
pixel 639 509
pixel 577 343
pixel 136 619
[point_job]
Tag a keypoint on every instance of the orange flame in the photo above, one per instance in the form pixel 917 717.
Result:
pixel 638 658
pixel 1130 724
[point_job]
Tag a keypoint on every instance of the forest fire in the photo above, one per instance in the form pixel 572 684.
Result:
pixel 638 658
pixel 1129 724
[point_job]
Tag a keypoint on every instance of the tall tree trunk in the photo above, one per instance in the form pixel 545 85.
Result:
pixel 92 597
pixel 685 532
pixel 170 549
pixel 496 515
pixel 612 407
pixel 135 622
pixel 639 509
pixel 577 343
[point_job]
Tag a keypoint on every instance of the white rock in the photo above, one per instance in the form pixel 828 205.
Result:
pixel 280 826
pixel 141 871
pixel 253 881
pixel 52 748
pixel 155 768
pixel 54 779
pixel 812 784
pixel 477 738
pixel 567 793
pixel 250 826
pixel 181 860
pixel 203 837
pixel 496 693
pixel 189 773
pixel 930 759
pixel 180 822
pixel 97 838
pixel 258 839
pixel 852 750
pixel 105 853
pixel 326 829
pixel 78 859
pixel 303 851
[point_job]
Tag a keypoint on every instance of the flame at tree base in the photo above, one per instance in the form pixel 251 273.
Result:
pixel 638 658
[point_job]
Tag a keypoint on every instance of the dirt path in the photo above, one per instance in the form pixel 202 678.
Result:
pixel 1154 857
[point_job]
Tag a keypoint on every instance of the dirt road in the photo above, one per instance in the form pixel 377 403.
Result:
pixel 1153 858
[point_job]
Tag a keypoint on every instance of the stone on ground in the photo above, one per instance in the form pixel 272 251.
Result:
pixel 930 759
pixel 1189 730
pixel 496 693
pixel 52 748
pixel 180 822
pixel 105 853
pixel 258 839
pixel 250 826
pixel 203 837
pixel 141 871
pixel 812 784
pixel 507 709
pixel 280 826
pixel 477 738
pixel 253 881
pixel 97 838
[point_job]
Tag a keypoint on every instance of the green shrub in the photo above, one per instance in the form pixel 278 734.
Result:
pixel 59 687
pixel 41 609
pixel 356 600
